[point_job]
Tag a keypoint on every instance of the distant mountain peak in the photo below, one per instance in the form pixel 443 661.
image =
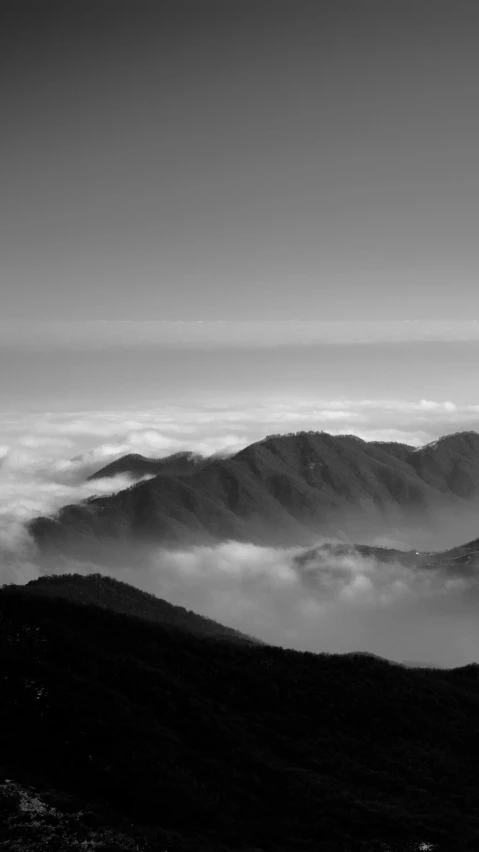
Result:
pixel 137 465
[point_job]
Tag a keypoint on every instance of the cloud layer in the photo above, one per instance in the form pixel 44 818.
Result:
pixel 335 605
pixel 213 424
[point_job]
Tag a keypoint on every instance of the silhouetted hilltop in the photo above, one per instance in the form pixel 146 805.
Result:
pixel 283 489
pixel 191 745
pixel 137 465
pixel 109 593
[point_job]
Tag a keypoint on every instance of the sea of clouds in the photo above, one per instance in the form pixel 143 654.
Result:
pixel 338 604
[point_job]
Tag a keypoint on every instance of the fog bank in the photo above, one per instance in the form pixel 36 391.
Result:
pixel 337 604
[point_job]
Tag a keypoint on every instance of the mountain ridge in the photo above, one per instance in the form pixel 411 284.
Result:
pixel 109 593
pixel 187 744
pixel 284 488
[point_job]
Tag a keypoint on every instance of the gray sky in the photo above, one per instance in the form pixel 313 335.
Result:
pixel 239 159
pixel 164 163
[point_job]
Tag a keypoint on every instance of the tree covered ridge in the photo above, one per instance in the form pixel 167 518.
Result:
pixel 117 596
pixel 228 746
pixel 280 490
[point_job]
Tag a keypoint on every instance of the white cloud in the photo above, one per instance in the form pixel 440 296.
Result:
pixel 32 484
pixel 429 405
pixel 335 604
pixel 211 425
pixel 343 605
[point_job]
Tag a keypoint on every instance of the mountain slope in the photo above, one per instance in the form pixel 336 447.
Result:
pixel 116 596
pixel 450 464
pixel 200 745
pixel 283 489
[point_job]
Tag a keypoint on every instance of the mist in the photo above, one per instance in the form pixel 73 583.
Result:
pixel 36 480
pixel 335 605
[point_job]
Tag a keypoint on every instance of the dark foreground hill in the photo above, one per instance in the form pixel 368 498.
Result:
pixel 116 596
pixel 283 490
pixel 136 729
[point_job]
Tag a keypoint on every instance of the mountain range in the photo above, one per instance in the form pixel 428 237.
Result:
pixel 463 559
pixel 126 724
pixel 285 489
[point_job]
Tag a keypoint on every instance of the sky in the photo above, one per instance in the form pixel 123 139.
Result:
pixel 239 159
pixel 242 201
